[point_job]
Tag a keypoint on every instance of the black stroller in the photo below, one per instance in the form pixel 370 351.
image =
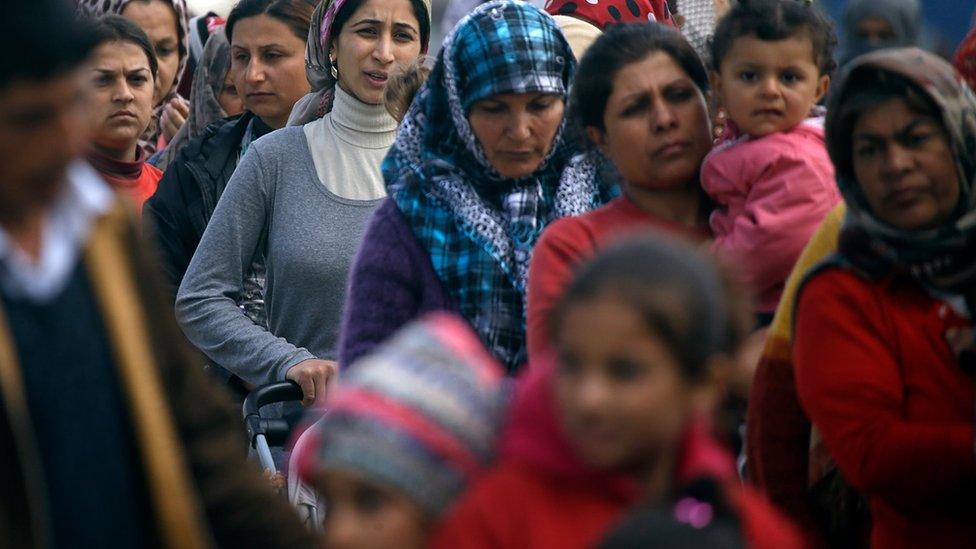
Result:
pixel 265 433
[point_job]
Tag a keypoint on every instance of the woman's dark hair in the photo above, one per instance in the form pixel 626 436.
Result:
pixel 772 20
pixel 678 292
pixel 296 14
pixel 618 47
pixel 868 87
pixel 350 7
pixel 115 28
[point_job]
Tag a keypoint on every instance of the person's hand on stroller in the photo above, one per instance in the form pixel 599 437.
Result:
pixel 313 376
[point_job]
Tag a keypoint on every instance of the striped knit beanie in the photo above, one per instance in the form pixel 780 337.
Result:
pixel 420 414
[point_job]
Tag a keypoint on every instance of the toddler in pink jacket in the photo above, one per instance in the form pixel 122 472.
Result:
pixel 771 179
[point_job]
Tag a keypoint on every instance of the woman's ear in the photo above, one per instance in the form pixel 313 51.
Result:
pixel 597 137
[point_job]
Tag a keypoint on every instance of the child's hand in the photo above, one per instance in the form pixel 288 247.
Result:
pixel 278 482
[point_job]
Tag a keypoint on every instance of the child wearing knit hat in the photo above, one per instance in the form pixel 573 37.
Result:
pixel 405 431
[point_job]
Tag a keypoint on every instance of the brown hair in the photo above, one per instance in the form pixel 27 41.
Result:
pixel 403 86
pixel 296 14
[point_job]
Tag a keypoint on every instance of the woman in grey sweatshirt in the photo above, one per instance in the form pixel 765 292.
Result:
pixel 300 199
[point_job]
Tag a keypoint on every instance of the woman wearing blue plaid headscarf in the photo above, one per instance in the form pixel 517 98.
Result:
pixel 481 165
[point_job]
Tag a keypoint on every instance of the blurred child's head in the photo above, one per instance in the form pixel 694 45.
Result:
pixel 403 87
pixel 771 63
pixel 640 333
pixel 408 427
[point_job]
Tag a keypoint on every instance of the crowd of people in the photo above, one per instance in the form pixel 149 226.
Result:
pixel 614 273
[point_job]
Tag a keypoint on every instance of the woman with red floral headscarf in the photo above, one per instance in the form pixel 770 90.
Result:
pixel 583 22
pixel 965 59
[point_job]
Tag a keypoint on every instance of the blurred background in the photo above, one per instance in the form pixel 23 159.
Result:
pixel 946 21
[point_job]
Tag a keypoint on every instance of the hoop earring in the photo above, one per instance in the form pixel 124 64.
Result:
pixel 333 69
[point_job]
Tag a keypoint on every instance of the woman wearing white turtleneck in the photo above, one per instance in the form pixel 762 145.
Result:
pixel 300 198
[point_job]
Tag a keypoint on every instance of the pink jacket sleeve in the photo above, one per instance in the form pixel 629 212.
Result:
pixel 775 192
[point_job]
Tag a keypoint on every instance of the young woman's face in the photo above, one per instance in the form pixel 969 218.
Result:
pixel 380 35
pixel 656 129
pixel 905 166
pixel 268 66
pixel 516 130
pixel 619 391
pixel 158 20
pixel 122 88
pixel 770 86
pixel 362 515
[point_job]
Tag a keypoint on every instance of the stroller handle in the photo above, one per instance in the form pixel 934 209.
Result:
pixel 285 391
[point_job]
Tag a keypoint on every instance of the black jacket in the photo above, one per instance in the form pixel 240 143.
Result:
pixel 177 214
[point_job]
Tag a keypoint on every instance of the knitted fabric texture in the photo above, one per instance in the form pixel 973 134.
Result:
pixel 479 227
pixel 419 415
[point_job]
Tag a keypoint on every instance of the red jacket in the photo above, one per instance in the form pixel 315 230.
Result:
pixel 876 376
pixel 541 494
pixel 570 241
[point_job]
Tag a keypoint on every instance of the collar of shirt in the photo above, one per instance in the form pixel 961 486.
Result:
pixel 66 227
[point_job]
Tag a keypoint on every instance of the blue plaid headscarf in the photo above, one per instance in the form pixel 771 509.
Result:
pixel 479 227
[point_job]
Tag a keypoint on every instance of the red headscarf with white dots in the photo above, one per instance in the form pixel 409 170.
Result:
pixel 601 13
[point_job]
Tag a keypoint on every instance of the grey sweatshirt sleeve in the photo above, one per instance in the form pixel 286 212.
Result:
pixel 206 304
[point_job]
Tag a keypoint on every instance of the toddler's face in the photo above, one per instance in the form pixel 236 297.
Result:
pixel 362 514
pixel 769 87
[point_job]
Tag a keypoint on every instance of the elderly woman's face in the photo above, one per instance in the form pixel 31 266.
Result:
pixel 656 126
pixel 516 130
pixel 158 20
pixel 905 166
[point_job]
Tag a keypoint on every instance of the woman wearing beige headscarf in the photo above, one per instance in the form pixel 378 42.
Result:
pixel 166 24
pixel 214 96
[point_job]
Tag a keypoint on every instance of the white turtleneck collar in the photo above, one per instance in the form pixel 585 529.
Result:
pixel 348 145
pixel 359 124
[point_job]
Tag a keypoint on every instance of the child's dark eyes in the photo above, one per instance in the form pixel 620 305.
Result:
pixel 623 370
pixel 790 77
pixel 748 76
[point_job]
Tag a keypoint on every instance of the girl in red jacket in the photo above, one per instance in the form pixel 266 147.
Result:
pixel 642 333
pixel 883 349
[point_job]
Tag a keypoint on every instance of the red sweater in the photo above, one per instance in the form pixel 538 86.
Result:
pixel 541 494
pixel 876 376
pixel 137 180
pixel 570 241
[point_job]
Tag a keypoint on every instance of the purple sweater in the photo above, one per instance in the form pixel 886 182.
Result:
pixel 392 282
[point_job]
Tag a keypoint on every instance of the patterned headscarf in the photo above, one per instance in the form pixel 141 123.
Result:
pixel 208 83
pixel 318 66
pixel 904 16
pixel 607 12
pixel 965 59
pixel 479 227
pixel 98 8
pixel 943 258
